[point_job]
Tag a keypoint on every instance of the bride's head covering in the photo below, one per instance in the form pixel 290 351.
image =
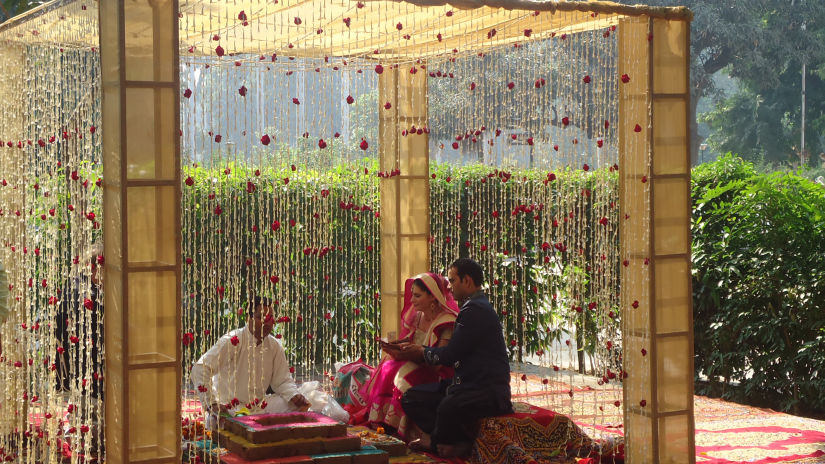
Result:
pixel 437 285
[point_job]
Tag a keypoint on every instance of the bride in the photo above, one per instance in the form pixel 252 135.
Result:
pixel 428 318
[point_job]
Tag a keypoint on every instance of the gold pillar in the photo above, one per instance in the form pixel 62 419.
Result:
pixel 13 408
pixel 141 212
pixel 405 198
pixel 655 237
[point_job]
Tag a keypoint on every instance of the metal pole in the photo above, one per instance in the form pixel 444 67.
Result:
pixel 802 143
pixel 802 137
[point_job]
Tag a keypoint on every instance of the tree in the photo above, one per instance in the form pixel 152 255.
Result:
pixel 764 126
pixel 11 8
pixel 762 43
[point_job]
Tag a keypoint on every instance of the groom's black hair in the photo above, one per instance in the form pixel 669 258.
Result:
pixel 467 267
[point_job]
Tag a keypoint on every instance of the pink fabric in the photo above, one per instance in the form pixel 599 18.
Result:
pixel 437 284
pixel 391 378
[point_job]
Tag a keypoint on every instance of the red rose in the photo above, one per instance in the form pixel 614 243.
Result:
pixel 322 144
pixel 219 51
pixel 625 78
pixel 364 145
pixel 265 139
pixel 638 128
pixel 379 69
pixel 234 340
pixel 586 79
pixel 242 91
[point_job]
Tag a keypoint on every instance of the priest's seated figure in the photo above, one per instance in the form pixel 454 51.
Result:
pixel 247 367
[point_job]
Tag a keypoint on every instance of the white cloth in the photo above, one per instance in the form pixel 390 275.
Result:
pixel 244 371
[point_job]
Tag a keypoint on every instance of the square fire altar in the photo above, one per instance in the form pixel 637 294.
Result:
pixel 297 437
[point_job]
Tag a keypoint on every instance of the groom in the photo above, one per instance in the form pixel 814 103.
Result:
pixel 448 411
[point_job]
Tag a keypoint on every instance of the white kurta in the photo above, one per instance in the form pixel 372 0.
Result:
pixel 244 371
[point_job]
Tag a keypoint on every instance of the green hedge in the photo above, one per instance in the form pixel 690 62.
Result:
pixel 758 262
pixel 523 270
pixel 759 285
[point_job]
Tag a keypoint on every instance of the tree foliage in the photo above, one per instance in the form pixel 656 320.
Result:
pixel 11 8
pixel 762 44
pixel 759 284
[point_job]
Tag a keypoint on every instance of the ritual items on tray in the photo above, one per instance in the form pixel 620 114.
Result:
pixel 391 445
pixel 297 437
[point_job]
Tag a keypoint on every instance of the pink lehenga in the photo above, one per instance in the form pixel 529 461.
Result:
pixel 392 378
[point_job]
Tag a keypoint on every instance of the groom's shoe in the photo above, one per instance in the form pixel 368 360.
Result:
pixel 456 450
pixel 420 445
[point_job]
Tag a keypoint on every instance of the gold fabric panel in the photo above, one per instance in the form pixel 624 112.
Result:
pixel 141 230
pixel 405 210
pixel 150 141
pixel 655 239
pixel 153 407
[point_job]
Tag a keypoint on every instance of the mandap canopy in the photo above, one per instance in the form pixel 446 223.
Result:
pixel 199 140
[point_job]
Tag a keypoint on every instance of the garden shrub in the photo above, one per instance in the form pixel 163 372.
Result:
pixel 759 285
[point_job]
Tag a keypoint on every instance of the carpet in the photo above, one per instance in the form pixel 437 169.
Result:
pixel 726 433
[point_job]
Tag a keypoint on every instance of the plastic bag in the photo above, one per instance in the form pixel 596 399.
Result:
pixel 349 380
pixel 321 402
